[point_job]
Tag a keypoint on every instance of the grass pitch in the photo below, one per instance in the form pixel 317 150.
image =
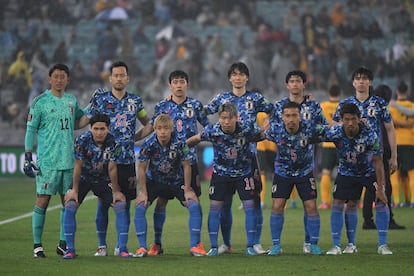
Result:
pixel 17 198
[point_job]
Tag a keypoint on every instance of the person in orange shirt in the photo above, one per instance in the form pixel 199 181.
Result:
pixel 337 15
pixel 329 156
pixel 405 148
pixel 266 152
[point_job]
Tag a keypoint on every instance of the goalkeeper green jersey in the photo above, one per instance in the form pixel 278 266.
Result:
pixel 53 120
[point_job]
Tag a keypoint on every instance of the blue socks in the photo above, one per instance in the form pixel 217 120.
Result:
pixel 194 222
pixel 121 225
pixel 69 223
pixel 214 223
pixel 313 227
pixel 102 222
pixel 159 219
pixel 382 218
pixel 250 221
pixel 141 224
pixel 351 221
pixel 337 222
pixel 276 226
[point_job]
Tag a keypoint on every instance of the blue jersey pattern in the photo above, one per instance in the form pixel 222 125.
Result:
pixel 247 105
pixel 355 155
pixel 294 156
pixel 374 110
pixel 95 159
pixel 231 151
pixel 311 112
pixel 185 117
pixel 164 162
pixel 123 115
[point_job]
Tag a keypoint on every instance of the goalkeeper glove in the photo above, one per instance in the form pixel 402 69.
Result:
pixel 30 169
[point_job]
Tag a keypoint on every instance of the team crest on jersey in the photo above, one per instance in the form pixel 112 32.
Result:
pixel 107 153
pixel 303 142
pixel 360 148
pixel 131 105
pixel 189 112
pixel 306 114
pixel 249 104
pixel 71 109
pixel 241 141
pixel 173 154
pixel 371 110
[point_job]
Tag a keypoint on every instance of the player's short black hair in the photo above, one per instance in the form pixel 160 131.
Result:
pixel 334 90
pixel 59 66
pixel 402 88
pixel 100 117
pixel 292 105
pixel 242 67
pixel 178 74
pixel 362 71
pixel 383 91
pixel 350 108
pixel 298 73
pixel 228 107
pixel 118 64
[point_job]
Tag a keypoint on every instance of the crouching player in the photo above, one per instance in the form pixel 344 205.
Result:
pixel 232 171
pixel 95 170
pixel 164 171
pixel 360 164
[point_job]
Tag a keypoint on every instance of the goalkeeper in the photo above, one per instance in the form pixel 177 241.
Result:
pixel 52 118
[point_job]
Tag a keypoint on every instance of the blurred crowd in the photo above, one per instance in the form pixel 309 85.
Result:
pixel 326 39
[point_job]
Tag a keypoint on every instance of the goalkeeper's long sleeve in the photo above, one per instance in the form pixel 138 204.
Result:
pixel 29 139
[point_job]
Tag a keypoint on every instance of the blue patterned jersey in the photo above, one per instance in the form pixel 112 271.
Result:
pixel 95 159
pixel 311 112
pixel 295 152
pixel 247 106
pixel 185 117
pixel 374 110
pixel 355 155
pixel 231 151
pixel 123 114
pixel 164 162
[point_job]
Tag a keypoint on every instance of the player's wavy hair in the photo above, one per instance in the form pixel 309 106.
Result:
pixel 229 108
pixel 178 74
pixel 298 73
pixel 242 67
pixel 350 108
pixel 164 119
pixel 362 71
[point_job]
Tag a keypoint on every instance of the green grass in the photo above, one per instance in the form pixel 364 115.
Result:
pixel 17 197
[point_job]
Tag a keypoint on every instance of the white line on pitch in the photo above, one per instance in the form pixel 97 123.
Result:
pixel 30 214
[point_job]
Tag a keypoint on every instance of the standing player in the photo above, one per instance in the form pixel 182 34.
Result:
pixel 294 166
pixel 311 113
pixel 248 104
pixel 360 165
pixel 374 111
pixel 232 170
pixel 53 116
pixel 95 170
pixel 329 159
pixel 185 112
pixel 164 170
pixel 123 109
pixel 405 148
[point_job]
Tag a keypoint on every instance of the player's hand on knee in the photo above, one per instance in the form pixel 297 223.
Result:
pixel 30 168
pixel 118 196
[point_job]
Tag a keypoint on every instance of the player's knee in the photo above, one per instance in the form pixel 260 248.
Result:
pixel 71 204
pixel 120 206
